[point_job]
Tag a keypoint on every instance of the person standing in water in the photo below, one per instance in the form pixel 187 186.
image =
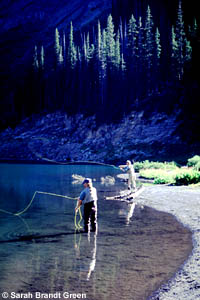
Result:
pixel 131 172
pixel 88 197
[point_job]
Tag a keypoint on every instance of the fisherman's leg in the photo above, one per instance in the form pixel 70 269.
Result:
pixel 86 217
pixel 134 184
pixel 129 183
pixel 93 218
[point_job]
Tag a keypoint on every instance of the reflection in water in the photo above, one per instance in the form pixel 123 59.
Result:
pixel 94 253
pixel 127 212
pixel 92 241
pixel 131 208
pixel 120 262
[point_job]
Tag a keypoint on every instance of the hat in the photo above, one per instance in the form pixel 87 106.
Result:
pixel 87 180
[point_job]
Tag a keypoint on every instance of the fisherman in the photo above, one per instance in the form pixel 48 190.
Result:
pixel 88 197
pixel 131 172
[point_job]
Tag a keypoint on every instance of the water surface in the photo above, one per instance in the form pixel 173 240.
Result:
pixel 135 250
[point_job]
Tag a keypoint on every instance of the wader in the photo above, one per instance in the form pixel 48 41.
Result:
pixel 90 216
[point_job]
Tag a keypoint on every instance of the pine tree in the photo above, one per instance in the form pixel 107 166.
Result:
pixel 103 67
pixel 180 35
pixel 132 36
pixel 57 45
pixel 64 46
pixel 123 64
pixel 60 57
pixel 193 30
pixel 72 53
pixel 99 43
pixel 174 61
pixel 188 51
pixel 157 56
pixel 110 40
pixel 184 48
pixel 158 47
pixel 35 59
pixel 104 52
pixel 149 40
pixel 117 51
pixel 141 44
pixel 42 57
pixel 89 49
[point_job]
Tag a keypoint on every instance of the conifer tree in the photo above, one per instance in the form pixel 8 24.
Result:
pixel 64 46
pixel 89 49
pixel 158 48
pixel 157 57
pixel 188 51
pixel 174 54
pixel 193 30
pixel 110 40
pixel 141 44
pixel 35 59
pixel 57 45
pixel 184 48
pixel 123 64
pixel 99 43
pixel 42 57
pixel 132 36
pixel 149 40
pixel 117 51
pixel 104 52
pixel 72 53
pixel 60 57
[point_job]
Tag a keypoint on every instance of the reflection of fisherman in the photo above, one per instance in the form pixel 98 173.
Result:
pixel 88 197
pixel 132 177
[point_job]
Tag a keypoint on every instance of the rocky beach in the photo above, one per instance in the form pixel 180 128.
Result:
pixel 184 204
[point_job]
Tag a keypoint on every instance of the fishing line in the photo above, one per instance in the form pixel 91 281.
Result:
pixel 66 163
pixel 77 225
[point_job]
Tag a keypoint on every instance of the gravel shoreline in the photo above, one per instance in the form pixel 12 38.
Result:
pixel 184 204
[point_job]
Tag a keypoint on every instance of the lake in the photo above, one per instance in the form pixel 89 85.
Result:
pixel 135 250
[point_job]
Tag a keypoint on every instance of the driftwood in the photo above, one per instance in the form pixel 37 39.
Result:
pixel 127 195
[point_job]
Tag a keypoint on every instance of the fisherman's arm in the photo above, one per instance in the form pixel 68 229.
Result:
pixel 80 200
pixel 122 167
pixel 79 203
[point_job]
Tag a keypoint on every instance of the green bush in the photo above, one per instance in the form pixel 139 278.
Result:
pixel 187 177
pixel 195 160
pixel 154 165
pixel 162 180
pixel 159 176
pixel 197 166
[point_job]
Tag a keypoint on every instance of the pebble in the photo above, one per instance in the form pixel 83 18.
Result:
pixel 184 204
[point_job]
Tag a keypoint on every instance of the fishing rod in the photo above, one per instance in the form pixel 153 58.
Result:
pixel 67 163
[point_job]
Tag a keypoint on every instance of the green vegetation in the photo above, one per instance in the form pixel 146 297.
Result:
pixel 154 165
pixel 187 177
pixel 170 173
pixel 194 162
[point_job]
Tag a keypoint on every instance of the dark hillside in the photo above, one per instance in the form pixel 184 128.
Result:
pixel 115 59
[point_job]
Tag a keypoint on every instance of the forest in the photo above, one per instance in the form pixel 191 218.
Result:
pixel 114 68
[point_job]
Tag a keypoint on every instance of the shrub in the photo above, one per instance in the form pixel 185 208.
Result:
pixel 197 166
pixel 154 165
pixel 159 176
pixel 187 177
pixel 195 160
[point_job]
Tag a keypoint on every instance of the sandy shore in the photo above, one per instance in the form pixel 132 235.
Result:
pixel 184 204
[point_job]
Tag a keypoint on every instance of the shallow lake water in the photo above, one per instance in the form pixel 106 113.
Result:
pixel 135 250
